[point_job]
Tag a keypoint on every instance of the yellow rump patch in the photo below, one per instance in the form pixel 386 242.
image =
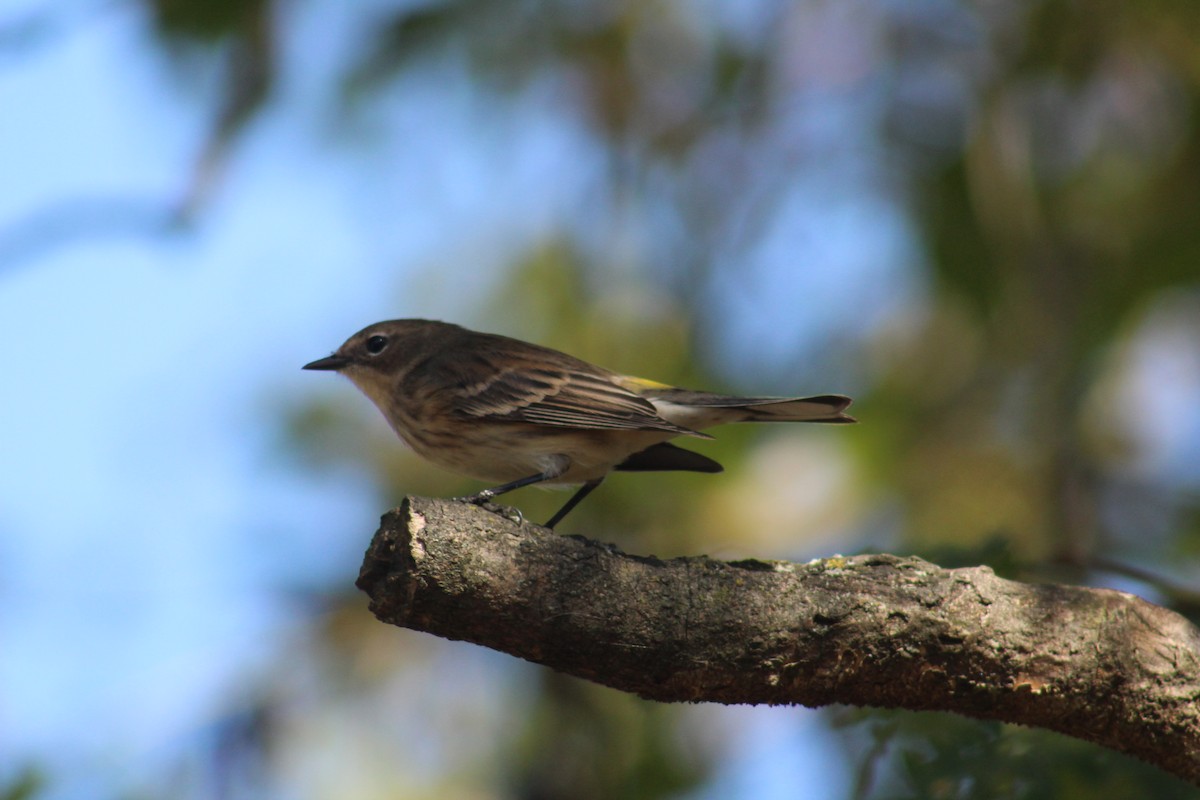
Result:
pixel 633 384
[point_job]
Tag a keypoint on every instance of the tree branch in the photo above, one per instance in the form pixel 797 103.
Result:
pixel 875 630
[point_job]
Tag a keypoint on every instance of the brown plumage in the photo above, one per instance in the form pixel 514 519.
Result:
pixel 508 411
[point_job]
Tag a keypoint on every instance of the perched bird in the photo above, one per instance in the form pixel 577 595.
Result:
pixel 516 413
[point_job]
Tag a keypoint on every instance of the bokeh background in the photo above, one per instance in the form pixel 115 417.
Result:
pixel 981 219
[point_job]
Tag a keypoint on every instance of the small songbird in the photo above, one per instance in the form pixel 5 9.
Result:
pixel 515 413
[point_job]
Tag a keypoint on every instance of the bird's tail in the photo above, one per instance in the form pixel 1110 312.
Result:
pixel 701 409
pixel 822 408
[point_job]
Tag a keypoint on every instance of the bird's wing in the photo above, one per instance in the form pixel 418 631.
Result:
pixel 563 395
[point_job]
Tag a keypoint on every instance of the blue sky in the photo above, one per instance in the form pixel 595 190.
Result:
pixel 139 493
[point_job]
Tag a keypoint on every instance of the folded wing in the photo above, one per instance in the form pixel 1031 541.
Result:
pixel 564 397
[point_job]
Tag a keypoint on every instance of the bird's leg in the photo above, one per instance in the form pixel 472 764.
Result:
pixel 583 492
pixel 479 498
pixel 483 498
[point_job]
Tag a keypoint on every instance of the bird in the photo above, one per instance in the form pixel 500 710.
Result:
pixel 516 414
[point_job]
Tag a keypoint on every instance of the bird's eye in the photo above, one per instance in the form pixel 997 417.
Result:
pixel 376 344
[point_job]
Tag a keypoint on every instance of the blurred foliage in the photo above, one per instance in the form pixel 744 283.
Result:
pixel 207 22
pixel 26 784
pixel 1045 158
pixel 943 757
pixel 585 741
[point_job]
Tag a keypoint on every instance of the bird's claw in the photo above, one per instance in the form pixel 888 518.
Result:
pixel 477 499
pixel 483 500
pixel 510 513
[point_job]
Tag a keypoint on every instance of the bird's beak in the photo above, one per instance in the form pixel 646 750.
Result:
pixel 328 363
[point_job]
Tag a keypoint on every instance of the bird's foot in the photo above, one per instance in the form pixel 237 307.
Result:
pixel 484 500
pixel 477 499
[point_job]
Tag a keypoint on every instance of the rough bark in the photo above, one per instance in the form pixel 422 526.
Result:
pixel 874 630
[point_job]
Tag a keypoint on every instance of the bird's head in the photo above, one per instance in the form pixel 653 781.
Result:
pixel 379 355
